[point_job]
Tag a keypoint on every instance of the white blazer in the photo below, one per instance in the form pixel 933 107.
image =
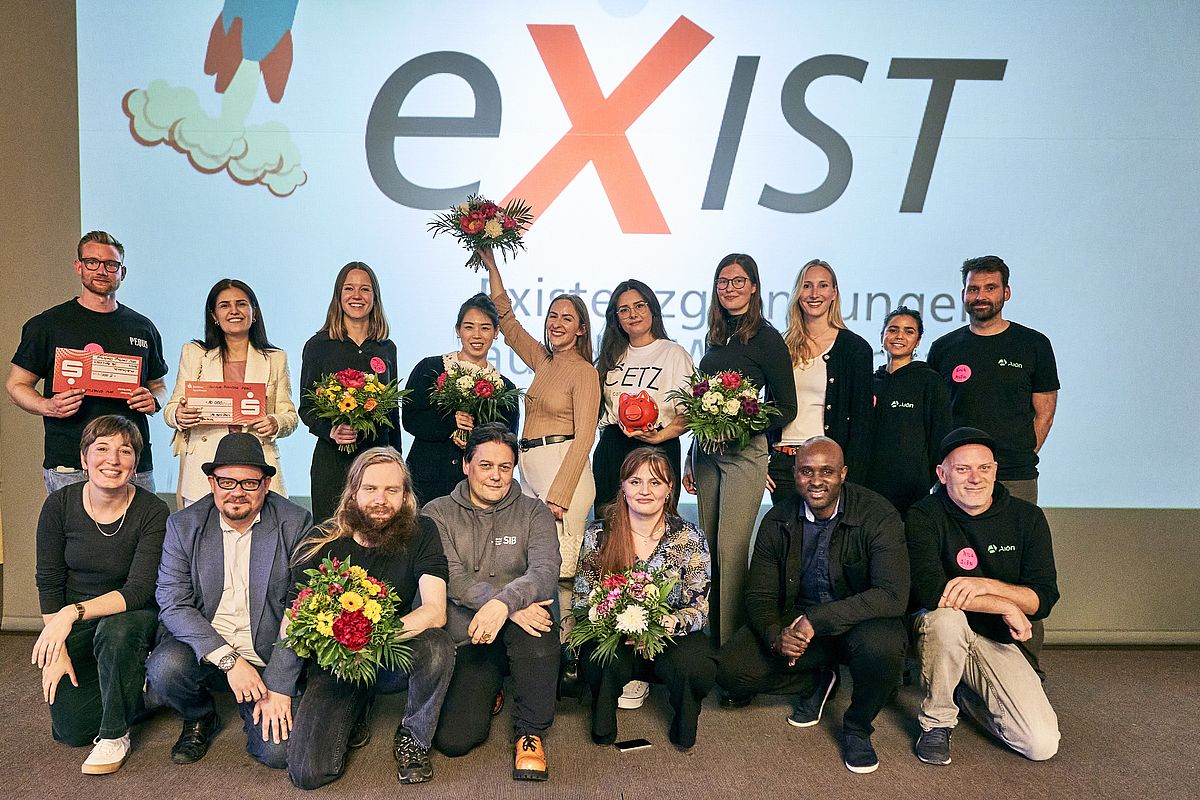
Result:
pixel 198 444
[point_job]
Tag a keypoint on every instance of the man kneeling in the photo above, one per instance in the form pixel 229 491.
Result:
pixel 376 527
pixel 983 575
pixel 828 583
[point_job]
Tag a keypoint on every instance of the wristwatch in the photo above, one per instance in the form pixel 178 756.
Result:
pixel 227 661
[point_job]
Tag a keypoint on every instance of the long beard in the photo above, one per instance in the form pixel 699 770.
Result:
pixel 387 536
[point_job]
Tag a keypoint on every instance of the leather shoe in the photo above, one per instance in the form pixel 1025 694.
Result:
pixel 193 742
pixel 530 761
pixel 735 701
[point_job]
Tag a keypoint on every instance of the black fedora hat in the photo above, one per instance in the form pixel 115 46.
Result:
pixel 961 436
pixel 239 449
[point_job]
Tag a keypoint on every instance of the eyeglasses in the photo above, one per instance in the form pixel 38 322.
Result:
pixel 93 264
pixel 736 283
pixel 627 311
pixel 248 485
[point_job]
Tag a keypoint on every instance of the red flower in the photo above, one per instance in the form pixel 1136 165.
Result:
pixel 731 380
pixel 335 589
pixel 509 223
pixel 352 629
pixel 304 594
pixel 377 365
pixel 489 210
pixel 469 225
pixel 476 214
pixel 441 380
pixel 614 582
pixel 484 388
pixel 351 379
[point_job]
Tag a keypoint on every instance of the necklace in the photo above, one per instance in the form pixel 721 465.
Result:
pixel 656 533
pixel 120 522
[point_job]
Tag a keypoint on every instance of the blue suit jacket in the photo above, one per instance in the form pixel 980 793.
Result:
pixel 191 579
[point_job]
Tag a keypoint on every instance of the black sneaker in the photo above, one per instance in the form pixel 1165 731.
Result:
pixel 360 732
pixel 858 754
pixel 730 700
pixel 933 746
pixel 413 764
pixel 193 741
pixel 807 712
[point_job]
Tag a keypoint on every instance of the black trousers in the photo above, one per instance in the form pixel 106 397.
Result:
pixel 688 668
pixel 610 453
pixel 479 671
pixel 873 650
pixel 780 469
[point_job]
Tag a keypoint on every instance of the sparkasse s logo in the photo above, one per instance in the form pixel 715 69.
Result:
pixel 599 123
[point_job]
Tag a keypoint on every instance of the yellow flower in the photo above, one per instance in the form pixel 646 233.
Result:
pixel 351 391
pixel 352 601
pixel 358 572
pixel 347 404
pixel 372 610
pixel 371 588
pixel 372 386
pixel 324 624
pixel 324 630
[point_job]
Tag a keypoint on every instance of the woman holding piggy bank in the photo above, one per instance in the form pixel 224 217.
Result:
pixel 638 365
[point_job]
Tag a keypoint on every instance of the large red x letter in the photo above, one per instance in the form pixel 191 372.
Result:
pixel 599 123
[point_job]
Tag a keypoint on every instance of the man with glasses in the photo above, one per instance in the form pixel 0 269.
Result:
pixel 221 589
pixel 983 578
pixel 96 322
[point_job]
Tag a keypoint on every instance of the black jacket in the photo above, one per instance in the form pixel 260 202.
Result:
pixel 849 389
pixel 868 567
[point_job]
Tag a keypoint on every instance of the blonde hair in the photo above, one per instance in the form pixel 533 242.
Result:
pixel 796 336
pixel 335 321
pixel 337 526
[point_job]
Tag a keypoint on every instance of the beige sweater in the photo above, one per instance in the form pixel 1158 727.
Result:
pixel 564 398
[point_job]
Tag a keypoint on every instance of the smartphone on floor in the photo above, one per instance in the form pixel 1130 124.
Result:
pixel 632 744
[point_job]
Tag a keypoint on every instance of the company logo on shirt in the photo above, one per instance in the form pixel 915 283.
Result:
pixel 136 342
pixel 1002 548
pixel 898 404
pixel 503 540
pixel 1004 362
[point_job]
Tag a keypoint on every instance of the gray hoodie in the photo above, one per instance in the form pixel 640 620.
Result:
pixel 508 551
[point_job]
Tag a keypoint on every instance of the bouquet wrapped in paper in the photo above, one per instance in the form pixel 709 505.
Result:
pixel 723 410
pixel 347 621
pixel 480 393
pixel 628 606
pixel 358 399
pixel 480 224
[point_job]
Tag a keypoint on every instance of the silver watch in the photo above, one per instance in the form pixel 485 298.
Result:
pixel 227 661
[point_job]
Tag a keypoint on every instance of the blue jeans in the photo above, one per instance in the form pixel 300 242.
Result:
pixel 57 479
pixel 330 707
pixel 177 679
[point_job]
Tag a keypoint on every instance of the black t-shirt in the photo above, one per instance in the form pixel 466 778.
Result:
pixel 421 555
pixel 992 380
pixel 70 325
pixel 76 561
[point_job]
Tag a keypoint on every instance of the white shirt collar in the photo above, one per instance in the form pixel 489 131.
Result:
pixel 227 528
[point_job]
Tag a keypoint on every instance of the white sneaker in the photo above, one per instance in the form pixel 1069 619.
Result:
pixel 107 756
pixel 633 695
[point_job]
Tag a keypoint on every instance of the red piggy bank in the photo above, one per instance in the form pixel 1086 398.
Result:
pixel 637 412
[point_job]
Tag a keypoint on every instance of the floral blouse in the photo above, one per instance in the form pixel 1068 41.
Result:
pixel 682 551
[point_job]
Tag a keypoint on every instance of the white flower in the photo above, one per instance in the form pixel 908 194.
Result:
pixel 464 207
pixel 593 614
pixel 711 399
pixel 749 394
pixel 651 592
pixel 732 407
pixel 465 382
pixel 632 620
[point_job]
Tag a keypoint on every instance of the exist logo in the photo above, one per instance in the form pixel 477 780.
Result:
pixel 1006 363
pixel 1003 548
pixel 600 122
pixel 898 404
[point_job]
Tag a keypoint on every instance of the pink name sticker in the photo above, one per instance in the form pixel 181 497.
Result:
pixel 961 373
pixel 967 559
pixel 93 348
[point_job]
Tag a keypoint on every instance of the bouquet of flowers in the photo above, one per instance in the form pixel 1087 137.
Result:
pixel 480 393
pixel 347 621
pixel 626 606
pixel 480 224
pixel 722 409
pixel 358 399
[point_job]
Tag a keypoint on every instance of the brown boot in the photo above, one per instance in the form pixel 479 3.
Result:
pixel 530 763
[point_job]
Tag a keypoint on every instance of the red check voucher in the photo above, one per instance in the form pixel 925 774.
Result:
pixel 98 374
pixel 223 403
